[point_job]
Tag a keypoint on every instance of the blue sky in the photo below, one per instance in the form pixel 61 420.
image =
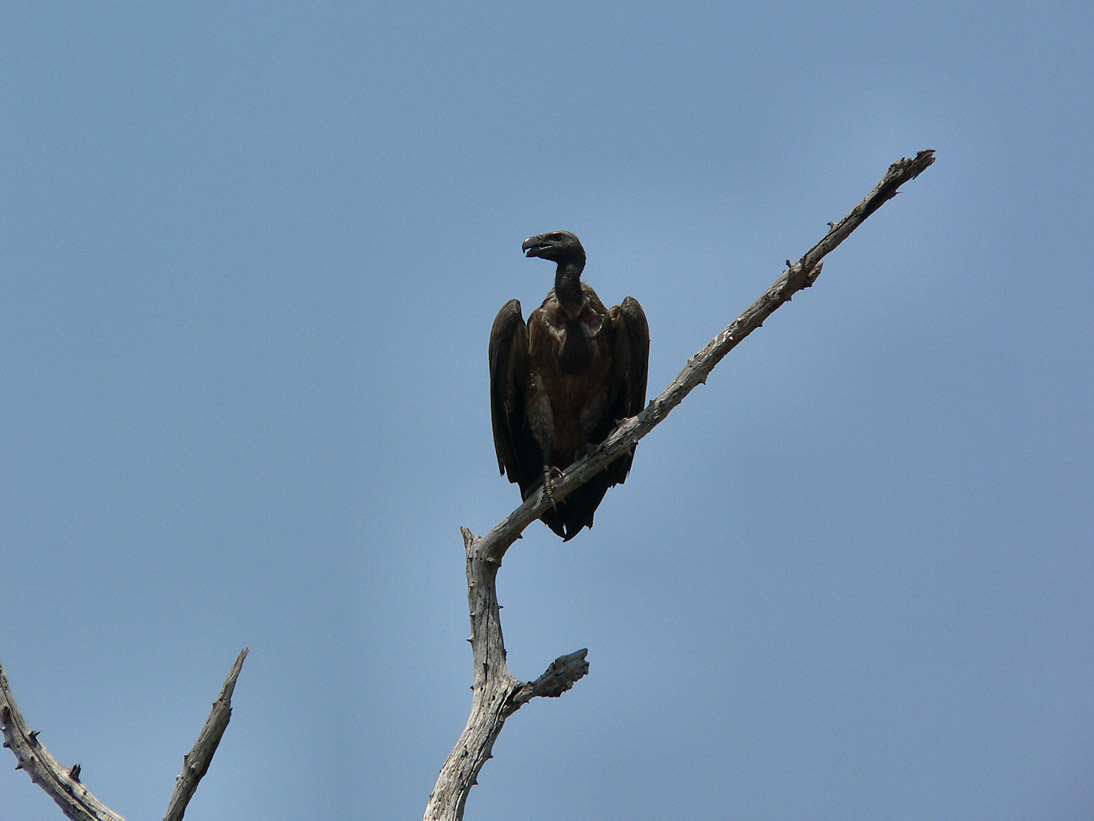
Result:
pixel 250 262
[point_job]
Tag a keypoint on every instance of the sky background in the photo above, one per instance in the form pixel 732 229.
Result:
pixel 249 259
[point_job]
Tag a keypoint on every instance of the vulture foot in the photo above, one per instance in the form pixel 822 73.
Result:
pixel 549 472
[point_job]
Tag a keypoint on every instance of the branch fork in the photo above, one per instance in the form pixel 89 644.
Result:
pixel 63 785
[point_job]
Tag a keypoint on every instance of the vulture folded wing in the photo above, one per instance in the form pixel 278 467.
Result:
pixel 518 454
pixel 630 366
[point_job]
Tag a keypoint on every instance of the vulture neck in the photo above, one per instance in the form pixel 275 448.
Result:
pixel 568 288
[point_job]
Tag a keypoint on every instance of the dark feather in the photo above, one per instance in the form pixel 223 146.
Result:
pixel 518 453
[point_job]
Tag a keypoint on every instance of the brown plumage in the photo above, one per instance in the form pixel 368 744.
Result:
pixel 562 381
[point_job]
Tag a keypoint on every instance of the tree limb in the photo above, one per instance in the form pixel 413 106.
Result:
pixel 60 783
pixel 196 762
pixel 496 694
pixel 63 784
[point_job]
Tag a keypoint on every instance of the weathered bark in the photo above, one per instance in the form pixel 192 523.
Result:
pixel 63 785
pixel 496 694
pixel 196 762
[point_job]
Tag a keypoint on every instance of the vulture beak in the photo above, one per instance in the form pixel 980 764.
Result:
pixel 533 246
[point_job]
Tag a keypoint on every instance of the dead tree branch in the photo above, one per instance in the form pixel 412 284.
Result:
pixel 196 762
pixel 496 694
pixel 63 785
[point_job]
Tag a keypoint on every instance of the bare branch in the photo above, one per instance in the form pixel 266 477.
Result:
pixel 63 785
pixel 60 783
pixel 196 762
pixel 496 694
pixel 563 673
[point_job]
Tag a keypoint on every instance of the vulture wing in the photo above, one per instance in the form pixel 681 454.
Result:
pixel 518 454
pixel 630 367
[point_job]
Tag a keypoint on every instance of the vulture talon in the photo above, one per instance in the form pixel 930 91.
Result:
pixel 548 472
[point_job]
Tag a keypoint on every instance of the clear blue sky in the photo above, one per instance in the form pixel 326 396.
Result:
pixel 250 258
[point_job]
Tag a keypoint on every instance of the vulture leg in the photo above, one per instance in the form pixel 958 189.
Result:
pixel 549 472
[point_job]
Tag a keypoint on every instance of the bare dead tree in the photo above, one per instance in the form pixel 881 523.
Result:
pixel 63 784
pixel 496 694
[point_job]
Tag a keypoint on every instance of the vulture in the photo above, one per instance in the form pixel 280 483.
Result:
pixel 562 381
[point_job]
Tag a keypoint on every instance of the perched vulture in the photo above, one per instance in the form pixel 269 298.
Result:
pixel 562 381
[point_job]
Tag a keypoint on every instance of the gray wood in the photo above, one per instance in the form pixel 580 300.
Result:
pixel 63 784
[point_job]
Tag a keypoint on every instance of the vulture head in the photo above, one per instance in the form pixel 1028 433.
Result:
pixel 558 246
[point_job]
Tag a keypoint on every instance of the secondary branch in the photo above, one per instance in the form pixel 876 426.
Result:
pixel 60 783
pixel 196 762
